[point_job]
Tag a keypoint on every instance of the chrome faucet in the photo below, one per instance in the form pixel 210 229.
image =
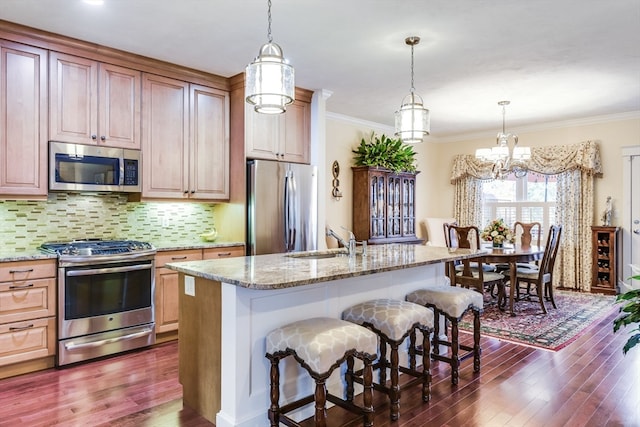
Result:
pixel 351 244
pixel 336 236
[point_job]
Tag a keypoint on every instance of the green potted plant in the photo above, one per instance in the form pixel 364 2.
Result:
pixel 382 151
pixel 630 316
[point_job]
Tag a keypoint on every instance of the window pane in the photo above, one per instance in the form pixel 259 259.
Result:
pixel 500 191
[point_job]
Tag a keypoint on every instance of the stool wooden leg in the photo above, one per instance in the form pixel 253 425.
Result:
pixel 476 341
pixel 367 393
pixel 412 350
pixel 435 346
pixel 348 377
pixel 274 409
pixel 383 362
pixel 394 391
pixel 320 398
pixel 426 367
pixel 455 360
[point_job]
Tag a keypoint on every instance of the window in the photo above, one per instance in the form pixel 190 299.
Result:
pixel 531 198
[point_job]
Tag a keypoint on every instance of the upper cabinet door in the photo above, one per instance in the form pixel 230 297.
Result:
pixel 119 106
pixel 209 148
pixel 297 133
pixel 73 99
pixel 94 103
pixel 23 120
pixel 165 137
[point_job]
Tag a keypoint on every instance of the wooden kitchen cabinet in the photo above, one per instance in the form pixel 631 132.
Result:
pixel 166 299
pixel 94 103
pixel 384 209
pixel 185 140
pixel 27 312
pixel 23 120
pixel 605 244
pixel 283 137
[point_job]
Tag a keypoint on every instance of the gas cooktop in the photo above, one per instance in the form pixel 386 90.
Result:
pixel 96 247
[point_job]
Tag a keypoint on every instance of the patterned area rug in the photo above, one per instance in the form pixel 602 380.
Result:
pixel 531 327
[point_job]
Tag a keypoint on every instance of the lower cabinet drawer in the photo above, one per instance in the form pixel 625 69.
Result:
pixel 27 340
pixel 224 252
pixel 31 299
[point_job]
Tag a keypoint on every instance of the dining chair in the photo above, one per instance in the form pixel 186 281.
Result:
pixel 529 230
pixel 474 274
pixel 542 276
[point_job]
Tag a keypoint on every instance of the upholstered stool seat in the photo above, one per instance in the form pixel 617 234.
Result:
pixel 321 345
pixel 452 302
pixel 393 321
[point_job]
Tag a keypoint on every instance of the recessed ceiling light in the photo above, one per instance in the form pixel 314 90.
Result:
pixel 94 2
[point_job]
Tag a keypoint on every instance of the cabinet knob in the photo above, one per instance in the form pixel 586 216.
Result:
pixel 186 191
pixel 94 137
pixel 103 138
pixel 193 191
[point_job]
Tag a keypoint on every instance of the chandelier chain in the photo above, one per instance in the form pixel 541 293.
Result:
pixel 269 20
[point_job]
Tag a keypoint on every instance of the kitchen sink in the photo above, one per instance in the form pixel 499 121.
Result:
pixel 318 255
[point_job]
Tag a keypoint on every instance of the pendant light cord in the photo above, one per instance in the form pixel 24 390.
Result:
pixel 269 20
pixel 412 88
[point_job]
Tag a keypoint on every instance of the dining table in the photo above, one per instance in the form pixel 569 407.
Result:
pixel 511 254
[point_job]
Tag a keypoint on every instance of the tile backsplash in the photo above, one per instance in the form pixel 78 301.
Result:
pixel 65 216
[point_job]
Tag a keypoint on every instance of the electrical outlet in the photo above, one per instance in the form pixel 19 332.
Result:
pixel 165 222
pixel 190 286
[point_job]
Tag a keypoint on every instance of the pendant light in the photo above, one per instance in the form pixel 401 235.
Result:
pixel 412 119
pixel 270 85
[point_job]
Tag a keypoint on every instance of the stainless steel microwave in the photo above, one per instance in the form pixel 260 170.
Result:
pixel 77 167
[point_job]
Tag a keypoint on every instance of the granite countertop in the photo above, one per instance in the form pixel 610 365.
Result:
pixel 176 246
pixel 36 254
pixel 279 271
pixel 24 255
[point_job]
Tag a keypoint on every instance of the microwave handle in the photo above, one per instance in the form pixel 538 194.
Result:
pixel 121 175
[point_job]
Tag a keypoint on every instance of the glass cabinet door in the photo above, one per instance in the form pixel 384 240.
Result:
pixel 378 206
pixel 408 206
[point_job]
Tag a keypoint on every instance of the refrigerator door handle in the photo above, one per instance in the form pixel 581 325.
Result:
pixel 288 211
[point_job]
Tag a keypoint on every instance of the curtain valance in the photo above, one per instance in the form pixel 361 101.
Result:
pixel 553 160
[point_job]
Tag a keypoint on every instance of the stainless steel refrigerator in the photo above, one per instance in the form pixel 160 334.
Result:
pixel 282 207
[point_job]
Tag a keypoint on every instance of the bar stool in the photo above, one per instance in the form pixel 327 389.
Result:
pixel 452 302
pixel 320 345
pixel 393 321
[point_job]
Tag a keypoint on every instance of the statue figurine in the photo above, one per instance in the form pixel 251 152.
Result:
pixel 606 215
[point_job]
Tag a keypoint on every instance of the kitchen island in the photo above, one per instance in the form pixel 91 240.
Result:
pixel 228 306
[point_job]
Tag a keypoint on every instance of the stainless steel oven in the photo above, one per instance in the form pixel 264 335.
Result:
pixel 105 298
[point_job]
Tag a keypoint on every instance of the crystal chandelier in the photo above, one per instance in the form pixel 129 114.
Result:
pixel 412 119
pixel 270 85
pixel 506 156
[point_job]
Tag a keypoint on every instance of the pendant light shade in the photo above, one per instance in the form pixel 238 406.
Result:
pixel 412 119
pixel 270 79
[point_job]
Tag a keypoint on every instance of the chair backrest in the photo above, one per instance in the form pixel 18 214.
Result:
pixel 466 237
pixel 550 251
pixel 529 230
pixel 447 233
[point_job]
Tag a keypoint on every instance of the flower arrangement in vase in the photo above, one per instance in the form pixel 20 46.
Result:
pixel 497 232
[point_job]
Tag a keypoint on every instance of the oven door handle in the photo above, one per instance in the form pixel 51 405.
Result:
pixel 73 346
pixel 93 271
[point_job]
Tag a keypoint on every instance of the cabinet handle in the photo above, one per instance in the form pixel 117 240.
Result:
pixel 94 137
pixel 176 258
pixel 20 328
pixel 30 285
pixel 224 254
pixel 28 270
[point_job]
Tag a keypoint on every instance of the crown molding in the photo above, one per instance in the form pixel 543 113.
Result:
pixel 586 121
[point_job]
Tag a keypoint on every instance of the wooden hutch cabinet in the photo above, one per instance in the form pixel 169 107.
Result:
pixel 605 245
pixel 384 209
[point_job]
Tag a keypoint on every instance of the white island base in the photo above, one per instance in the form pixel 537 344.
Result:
pixel 223 369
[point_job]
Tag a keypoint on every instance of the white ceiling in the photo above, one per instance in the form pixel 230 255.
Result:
pixel 555 60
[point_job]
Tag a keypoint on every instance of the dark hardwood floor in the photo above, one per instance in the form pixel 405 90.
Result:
pixel 588 383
